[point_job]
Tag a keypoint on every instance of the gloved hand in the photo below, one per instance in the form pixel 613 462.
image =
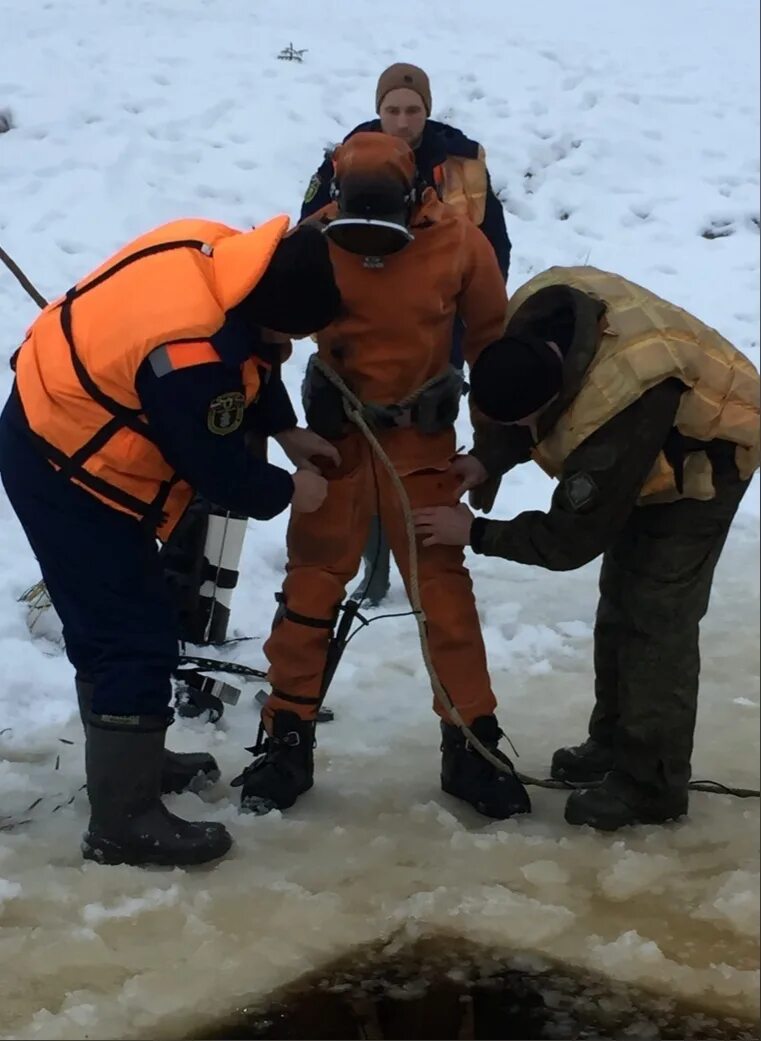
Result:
pixel 483 495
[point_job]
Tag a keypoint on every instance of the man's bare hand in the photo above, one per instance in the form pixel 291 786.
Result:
pixel 444 525
pixel 470 471
pixel 301 446
pixel 309 491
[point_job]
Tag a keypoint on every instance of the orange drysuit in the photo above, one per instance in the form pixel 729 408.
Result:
pixel 395 333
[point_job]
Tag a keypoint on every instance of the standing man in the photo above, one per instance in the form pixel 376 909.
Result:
pixel 406 266
pixel 455 166
pixel 134 389
pixel 452 163
pixel 650 421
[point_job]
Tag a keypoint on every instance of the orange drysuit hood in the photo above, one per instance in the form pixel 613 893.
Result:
pixel 374 190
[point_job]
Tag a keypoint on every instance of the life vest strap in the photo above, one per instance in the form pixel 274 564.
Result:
pixel 151 513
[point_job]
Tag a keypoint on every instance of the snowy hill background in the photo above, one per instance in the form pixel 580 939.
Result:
pixel 623 135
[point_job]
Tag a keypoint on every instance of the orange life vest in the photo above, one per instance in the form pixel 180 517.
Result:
pixel 76 369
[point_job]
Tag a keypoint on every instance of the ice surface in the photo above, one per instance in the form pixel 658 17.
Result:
pixel 623 135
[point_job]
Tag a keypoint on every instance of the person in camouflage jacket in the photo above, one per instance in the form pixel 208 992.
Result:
pixel 649 420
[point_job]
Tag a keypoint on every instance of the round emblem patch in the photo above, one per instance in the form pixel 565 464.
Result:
pixel 226 412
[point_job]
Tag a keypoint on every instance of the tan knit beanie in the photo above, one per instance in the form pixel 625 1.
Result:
pixel 403 75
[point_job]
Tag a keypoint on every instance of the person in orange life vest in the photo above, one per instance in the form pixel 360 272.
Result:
pixel 455 165
pixel 132 391
pixel 406 266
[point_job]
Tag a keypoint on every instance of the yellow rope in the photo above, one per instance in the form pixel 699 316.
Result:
pixel 354 411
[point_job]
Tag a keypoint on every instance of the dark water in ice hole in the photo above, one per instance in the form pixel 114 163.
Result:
pixel 451 989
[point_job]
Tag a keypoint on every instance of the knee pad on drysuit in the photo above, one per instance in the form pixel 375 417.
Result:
pixel 339 627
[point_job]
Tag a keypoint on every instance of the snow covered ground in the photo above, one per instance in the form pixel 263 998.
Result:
pixel 623 135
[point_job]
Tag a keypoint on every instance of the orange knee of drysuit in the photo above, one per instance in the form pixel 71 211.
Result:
pixel 446 593
pixel 324 553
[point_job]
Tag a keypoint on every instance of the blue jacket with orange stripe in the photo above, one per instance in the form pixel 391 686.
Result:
pixel 221 468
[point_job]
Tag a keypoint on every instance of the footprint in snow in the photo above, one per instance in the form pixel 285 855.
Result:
pixel 572 82
pixel 70 247
pixel 551 56
pixel 718 229
pixel 46 220
pixel 205 191
pixel 588 233
pixel 590 99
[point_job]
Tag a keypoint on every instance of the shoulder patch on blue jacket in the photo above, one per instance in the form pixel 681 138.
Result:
pixel 312 188
pixel 226 412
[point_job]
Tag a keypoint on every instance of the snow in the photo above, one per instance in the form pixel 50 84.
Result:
pixel 617 134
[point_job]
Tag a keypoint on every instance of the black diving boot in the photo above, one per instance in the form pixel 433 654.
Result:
pixel 589 761
pixel 181 771
pixel 468 776
pixel 285 768
pixel 129 824
pixel 621 800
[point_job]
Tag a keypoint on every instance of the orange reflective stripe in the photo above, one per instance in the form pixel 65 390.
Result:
pixel 186 353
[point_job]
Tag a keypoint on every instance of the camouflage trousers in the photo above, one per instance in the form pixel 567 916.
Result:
pixel 655 585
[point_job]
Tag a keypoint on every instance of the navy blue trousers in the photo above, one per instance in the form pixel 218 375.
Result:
pixel 103 575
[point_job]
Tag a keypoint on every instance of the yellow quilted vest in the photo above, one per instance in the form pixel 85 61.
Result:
pixel 645 341
pixel 462 184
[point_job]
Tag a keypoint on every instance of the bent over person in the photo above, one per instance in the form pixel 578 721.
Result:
pixel 133 390
pixel 649 419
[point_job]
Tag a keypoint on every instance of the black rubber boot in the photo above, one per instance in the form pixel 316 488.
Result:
pixel 589 761
pixel 181 772
pixel 284 770
pixel 620 800
pixel 467 775
pixel 376 580
pixel 129 824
